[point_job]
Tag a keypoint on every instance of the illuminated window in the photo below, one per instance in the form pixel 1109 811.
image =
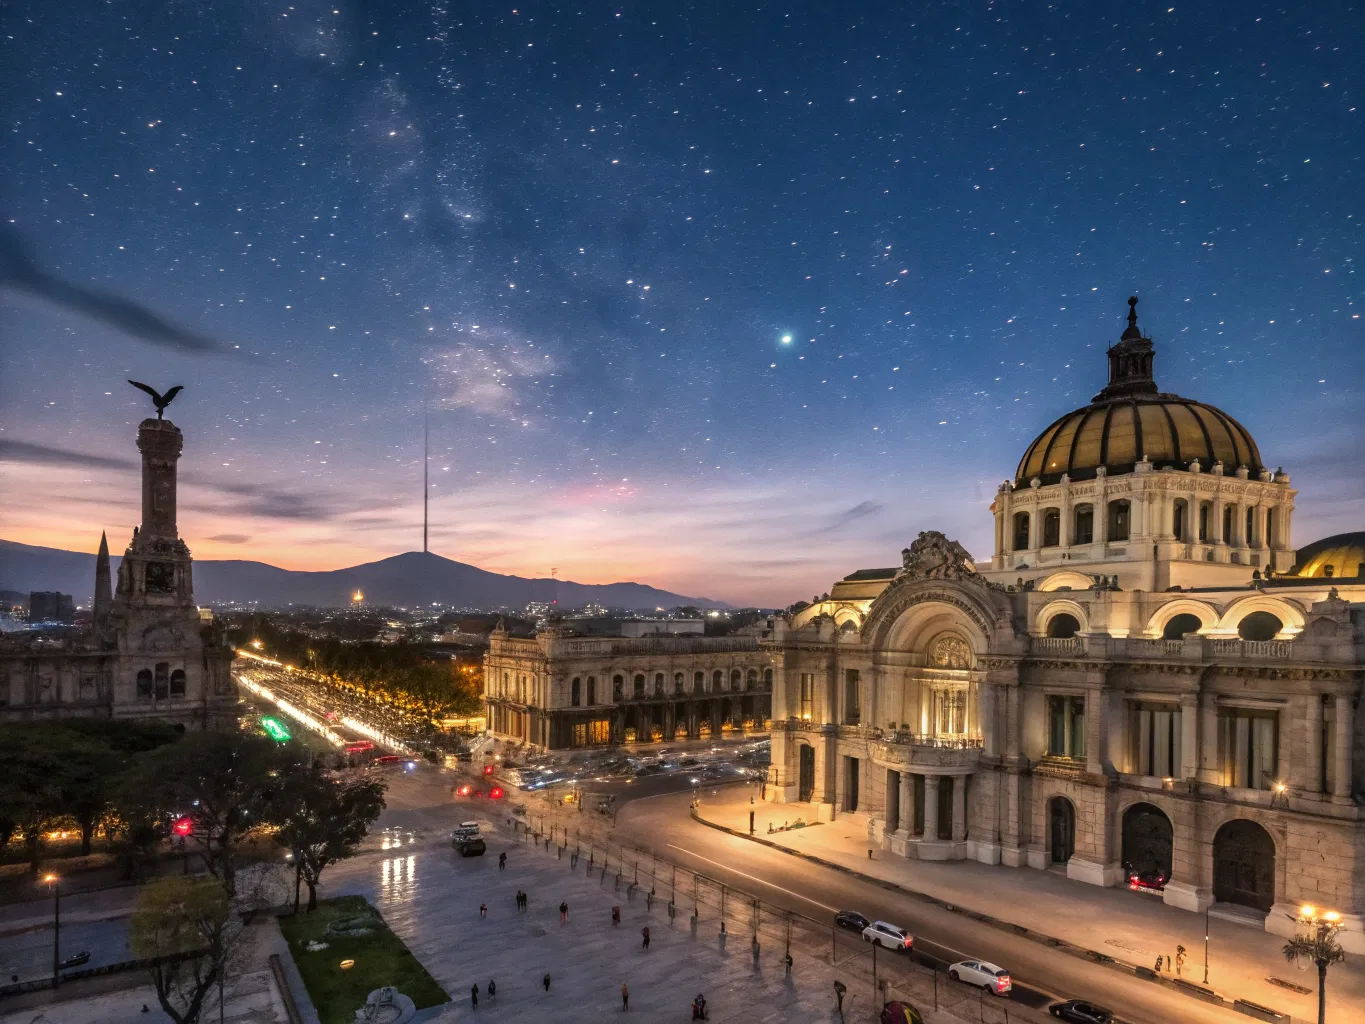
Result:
pixel 1155 730
pixel 1248 746
pixel 852 704
pixel 807 695
pixel 1066 726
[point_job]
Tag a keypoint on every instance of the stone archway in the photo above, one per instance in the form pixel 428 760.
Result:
pixel 1244 865
pixel 805 773
pixel 1147 846
pixel 1061 829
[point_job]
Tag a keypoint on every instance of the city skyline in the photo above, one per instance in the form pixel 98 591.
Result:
pixel 727 304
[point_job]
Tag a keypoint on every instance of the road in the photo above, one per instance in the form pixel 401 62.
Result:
pixel 663 826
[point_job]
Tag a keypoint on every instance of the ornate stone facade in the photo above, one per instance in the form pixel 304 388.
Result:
pixel 558 690
pixel 151 652
pixel 1162 713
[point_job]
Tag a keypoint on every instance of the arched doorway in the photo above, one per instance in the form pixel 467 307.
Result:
pixel 1180 625
pixel 1063 626
pixel 806 787
pixel 1061 817
pixel 1259 626
pixel 1244 865
pixel 1147 842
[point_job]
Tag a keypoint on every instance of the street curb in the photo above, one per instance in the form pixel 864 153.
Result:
pixel 1186 988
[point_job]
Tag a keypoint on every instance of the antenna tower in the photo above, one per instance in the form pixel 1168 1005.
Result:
pixel 426 489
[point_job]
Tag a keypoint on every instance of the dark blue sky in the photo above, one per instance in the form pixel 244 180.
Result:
pixel 579 236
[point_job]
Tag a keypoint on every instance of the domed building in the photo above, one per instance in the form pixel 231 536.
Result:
pixel 1143 686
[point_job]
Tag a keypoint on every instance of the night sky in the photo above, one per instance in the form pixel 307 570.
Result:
pixel 731 300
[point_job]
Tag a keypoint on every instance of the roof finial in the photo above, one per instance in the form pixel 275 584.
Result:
pixel 1132 311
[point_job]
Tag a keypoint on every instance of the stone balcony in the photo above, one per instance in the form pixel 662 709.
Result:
pixel 927 755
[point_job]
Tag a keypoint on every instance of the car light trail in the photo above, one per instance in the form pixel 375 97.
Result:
pixel 302 717
pixel 382 738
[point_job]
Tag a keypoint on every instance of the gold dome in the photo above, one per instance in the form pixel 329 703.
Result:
pixel 1344 553
pixel 1130 420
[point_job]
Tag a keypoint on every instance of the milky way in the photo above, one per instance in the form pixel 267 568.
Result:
pixel 730 300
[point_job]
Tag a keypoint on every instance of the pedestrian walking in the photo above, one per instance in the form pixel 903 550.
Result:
pixel 1179 960
pixel 474 995
pixel 644 932
pixel 483 909
pixel 502 861
pixel 492 988
pixel 616 914
pixel 546 981
pixel 625 997
pixel 754 946
pixel 1159 961
pixel 839 989
pixel 788 961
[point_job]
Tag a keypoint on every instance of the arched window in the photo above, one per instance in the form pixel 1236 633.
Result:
pixel 575 692
pixel 1178 520
pixel 751 680
pixel 658 684
pixel 677 682
pixel 1180 625
pixel 1259 626
pixel 618 684
pixel 767 679
pixel 1062 626
pixel 1052 527
pixel 592 690
pixel 178 683
pixel 1120 513
pixel 1021 531
pixel 1085 525
pixel 144 684
pixel 699 682
pixel 639 685
pixel 717 680
pixel 734 679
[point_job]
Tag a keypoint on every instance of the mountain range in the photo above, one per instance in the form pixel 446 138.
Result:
pixel 407 580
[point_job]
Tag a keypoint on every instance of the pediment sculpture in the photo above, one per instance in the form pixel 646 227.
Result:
pixel 934 557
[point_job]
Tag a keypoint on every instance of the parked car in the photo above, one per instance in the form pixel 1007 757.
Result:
pixel 76 960
pixel 474 847
pixel 852 920
pixel 887 935
pixel 1078 1011
pixel 897 1012
pixel 1151 881
pixel 979 972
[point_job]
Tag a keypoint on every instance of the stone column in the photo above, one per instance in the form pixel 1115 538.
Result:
pixel 1012 722
pixel 1341 752
pixel 930 808
pixel 1311 732
pixel 1189 736
pixel 907 808
pixel 959 808
pixel 1093 718
pixel 892 802
pixel 1210 771
pixel 989 725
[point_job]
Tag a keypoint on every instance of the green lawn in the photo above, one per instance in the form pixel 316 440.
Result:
pixel 380 959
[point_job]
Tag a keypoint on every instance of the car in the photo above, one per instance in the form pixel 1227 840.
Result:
pixel 1077 1011
pixel 474 847
pixel 980 972
pixel 852 920
pixel 76 960
pixel 887 935
pixel 1147 881
pixel 898 1012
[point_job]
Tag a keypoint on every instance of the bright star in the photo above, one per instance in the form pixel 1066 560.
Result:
pixel 786 339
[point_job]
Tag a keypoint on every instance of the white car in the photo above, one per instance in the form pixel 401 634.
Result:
pixel 979 972
pixel 888 935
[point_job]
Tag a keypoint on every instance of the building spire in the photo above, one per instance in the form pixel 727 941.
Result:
pixel 104 591
pixel 1130 363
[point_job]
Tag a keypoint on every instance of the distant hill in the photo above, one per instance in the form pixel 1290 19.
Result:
pixel 409 579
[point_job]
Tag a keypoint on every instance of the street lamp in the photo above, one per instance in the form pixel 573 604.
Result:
pixel 1316 942
pixel 55 882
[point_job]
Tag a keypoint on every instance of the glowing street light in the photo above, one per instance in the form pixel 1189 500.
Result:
pixel 1316 942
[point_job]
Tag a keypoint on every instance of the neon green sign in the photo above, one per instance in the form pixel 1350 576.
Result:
pixel 275 729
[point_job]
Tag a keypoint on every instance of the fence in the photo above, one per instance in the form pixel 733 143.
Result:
pixel 714 908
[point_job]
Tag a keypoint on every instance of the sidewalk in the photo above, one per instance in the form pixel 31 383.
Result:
pixel 1132 928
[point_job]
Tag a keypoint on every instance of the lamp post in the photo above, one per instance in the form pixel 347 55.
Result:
pixel 1316 941
pixel 56 884
pixel 1206 945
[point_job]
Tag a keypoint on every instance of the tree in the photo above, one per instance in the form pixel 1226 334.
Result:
pixel 30 774
pixel 322 820
pixel 82 788
pixel 1316 943
pixel 223 782
pixel 186 927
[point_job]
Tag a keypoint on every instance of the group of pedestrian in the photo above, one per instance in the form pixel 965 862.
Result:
pixel 474 992
pixel 522 900
pixel 699 1008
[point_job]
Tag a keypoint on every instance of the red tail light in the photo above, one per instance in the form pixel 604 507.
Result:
pixel 488 769
pixel 909 942
pixel 1002 983
pixel 496 792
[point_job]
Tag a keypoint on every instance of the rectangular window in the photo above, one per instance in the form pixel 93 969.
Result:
pixel 852 706
pixel 807 695
pixel 1155 731
pixel 1052 527
pixel 1021 531
pixel 1119 514
pixel 580 734
pixel 1326 750
pixel 1066 726
pixel 1085 525
pixel 600 731
pixel 1203 524
pixel 1248 744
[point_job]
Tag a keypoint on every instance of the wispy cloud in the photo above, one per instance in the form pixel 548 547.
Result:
pixel 489 371
pixel 42 455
